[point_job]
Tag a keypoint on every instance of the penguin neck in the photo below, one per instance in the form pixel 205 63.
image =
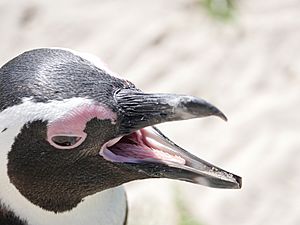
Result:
pixel 107 207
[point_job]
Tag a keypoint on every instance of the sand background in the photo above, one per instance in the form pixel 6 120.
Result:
pixel 248 66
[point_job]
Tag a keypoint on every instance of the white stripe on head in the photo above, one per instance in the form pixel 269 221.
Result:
pixel 29 111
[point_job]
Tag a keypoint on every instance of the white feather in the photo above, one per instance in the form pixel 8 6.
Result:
pixel 107 207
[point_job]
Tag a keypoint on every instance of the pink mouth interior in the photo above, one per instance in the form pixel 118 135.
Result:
pixel 142 145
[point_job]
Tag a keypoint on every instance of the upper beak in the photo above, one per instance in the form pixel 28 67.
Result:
pixel 140 110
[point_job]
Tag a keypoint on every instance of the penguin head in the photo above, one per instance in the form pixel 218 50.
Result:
pixel 70 128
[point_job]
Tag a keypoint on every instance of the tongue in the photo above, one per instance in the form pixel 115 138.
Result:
pixel 143 153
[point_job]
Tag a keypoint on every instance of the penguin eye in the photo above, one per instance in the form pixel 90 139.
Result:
pixel 66 141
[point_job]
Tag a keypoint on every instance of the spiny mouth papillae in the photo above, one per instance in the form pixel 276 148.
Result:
pixel 149 145
pixel 144 145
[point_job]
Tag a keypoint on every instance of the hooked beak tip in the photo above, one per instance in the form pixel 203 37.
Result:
pixel 214 111
pixel 222 116
pixel 240 183
pixel 195 107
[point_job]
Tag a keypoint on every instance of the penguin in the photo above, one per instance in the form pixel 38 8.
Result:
pixel 72 132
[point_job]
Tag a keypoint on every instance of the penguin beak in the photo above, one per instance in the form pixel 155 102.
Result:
pixel 143 148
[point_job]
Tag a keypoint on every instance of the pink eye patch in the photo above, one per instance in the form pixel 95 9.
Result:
pixel 67 132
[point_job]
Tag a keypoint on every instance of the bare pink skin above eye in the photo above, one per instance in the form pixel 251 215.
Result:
pixel 74 122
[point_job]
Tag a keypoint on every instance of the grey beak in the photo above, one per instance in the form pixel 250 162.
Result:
pixel 140 110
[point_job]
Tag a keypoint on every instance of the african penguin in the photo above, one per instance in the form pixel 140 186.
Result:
pixel 72 132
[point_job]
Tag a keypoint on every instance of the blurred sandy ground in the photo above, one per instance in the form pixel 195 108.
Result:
pixel 249 67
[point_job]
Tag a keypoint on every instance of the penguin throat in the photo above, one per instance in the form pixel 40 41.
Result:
pixel 140 146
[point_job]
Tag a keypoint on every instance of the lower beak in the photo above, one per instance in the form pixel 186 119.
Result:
pixel 192 168
pixel 144 148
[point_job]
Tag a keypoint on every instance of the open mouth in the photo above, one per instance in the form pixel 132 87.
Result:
pixel 143 145
pixel 148 146
pixel 144 149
